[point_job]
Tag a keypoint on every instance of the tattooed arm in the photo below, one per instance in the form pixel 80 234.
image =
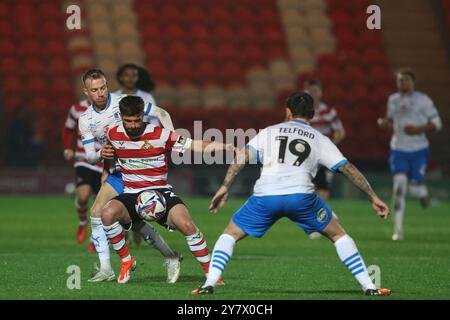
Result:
pixel 358 179
pixel 221 196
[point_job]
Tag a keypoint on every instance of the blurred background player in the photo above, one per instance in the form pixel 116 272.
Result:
pixel 411 114
pixel 94 124
pixel 88 176
pixel 327 122
pixel 291 150
pixel 142 152
pixel 135 80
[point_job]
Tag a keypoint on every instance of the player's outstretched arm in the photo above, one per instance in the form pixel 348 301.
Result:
pixel 221 196
pixel 210 146
pixel 385 123
pixel 358 179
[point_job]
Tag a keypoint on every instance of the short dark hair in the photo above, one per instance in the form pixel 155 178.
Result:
pixel 407 71
pixel 301 104
pixel 92 74
pixel 144 82
pixel 312 82
pixel 131 106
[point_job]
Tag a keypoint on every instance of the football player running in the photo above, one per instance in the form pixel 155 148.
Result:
pixel 411 114
pixel 93 125
pixel 291 153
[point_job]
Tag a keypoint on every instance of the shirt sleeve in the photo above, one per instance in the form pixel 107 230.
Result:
pixel 257 145
pixel 429 109
pixel 88 141
pixel 336 123
pixel 153 112
pixel 390 109
pixel 177 143
pixel 330 156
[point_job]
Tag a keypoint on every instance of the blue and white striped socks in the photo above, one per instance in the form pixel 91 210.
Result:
pixel 349 255
pixel 223 250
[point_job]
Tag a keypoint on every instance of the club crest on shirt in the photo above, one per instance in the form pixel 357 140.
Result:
pixel 147 145
pixel 321 215
pixel 181 140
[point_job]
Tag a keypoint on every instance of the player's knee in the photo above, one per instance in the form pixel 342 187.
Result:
pixel 82 201
pixel 109 216
pixel 188 227
pixel 400 185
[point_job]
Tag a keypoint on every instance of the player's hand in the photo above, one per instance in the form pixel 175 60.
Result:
pixel 380 208
pixel 412 130
pixel 219 199
pixel 68 154
pixel 383 123
pixel 107 151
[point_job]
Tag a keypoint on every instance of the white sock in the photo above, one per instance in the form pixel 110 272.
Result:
pixel 349 255
pixel 400 187
pixel 101 243
pixel 223 250
pixel 418 191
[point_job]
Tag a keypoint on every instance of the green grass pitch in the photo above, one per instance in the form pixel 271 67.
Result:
pixel 37 245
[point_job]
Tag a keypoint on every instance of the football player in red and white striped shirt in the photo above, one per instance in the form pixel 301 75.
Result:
pixel 141 151
pixel 88 176
pixel 327 122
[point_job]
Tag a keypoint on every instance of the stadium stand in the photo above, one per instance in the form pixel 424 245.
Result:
pixel 216 54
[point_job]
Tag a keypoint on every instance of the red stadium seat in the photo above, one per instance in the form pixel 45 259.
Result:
pixel 174 33
pixel 51 29
pixel 182 72
pixel 6 30
pixel 160 70
pixel 58 66
pixel 55 48
pixel 207 73
pixel 223 33
pixel 221 15
pixel 7 48
pixel 34 67
pixel 12 84
pixel 204 51
pixel 194 14
pixel 9 65
pixel 227 52
pixel 199 32
pixel 30 47
pixel 37 85
pixel 50 11
pixel 154 50
pixel 151 31
pixel 177 51
pixel 253 55
pixel 231 74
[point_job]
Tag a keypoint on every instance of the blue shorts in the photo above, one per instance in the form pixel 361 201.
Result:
pixel 413 164
pixel 115 181
pixel 306 210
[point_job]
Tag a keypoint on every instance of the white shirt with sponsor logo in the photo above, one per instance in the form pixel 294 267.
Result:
pixel 144 161
pixel 291 153
pixel 94 123
pixel 416 109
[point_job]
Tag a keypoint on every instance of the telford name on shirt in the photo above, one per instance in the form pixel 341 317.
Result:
pixel 299 131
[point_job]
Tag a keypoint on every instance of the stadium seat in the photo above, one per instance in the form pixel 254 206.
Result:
pixel 207 72
pixel 182 72
pixel 34 67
